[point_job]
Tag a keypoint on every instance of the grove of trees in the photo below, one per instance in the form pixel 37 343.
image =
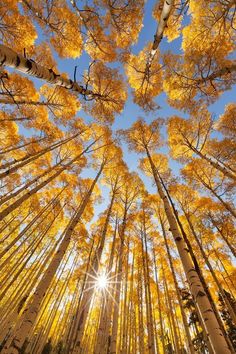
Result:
pixel 117 238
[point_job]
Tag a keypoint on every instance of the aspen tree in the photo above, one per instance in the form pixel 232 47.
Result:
pixel 128 198
pixel 72 210
pixel 191 136
pixel 143 138
pixel 30 313
pixel 34 190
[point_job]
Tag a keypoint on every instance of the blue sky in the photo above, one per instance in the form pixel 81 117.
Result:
pixel 131 111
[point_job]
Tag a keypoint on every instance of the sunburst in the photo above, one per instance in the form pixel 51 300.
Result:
pixel 102 281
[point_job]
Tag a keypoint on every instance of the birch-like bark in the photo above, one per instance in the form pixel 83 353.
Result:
pixel 32 157
pixel 9 57
pixel 215 164
pixel 30 313
pixel 200 275
pixel 211 324
pixel 123 331
pixel 74 324
pixel 159 303
pixel 204 255
pixel 118 286
pixel 85 306
pixel 171 315
pixel 140 312
pixel 185 322
pixel 34 190
pixel 151 348
pixel 167 6
pixel 105 316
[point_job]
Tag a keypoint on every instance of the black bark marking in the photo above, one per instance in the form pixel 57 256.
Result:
pixel 4 59
pixel 200 294
pixel 178 238
pixel 28 64
pixel 17 60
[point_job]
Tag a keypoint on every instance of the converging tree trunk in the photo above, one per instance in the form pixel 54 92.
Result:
pixel 19 339
pixel 216 336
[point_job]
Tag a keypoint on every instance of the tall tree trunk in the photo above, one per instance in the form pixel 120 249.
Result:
pixel 74 324
pixel 221 290
pixel 185 322
pixel 34 190
pixel 200 275
pixel 19 339
pixel 9 57
pixel 215 164
pixel 85 305
pixel 165 13
pixel 151 344
pixel 159 303
pixel 171 314
pixel 106 314
pixel 211 324
pixel 140 312
pixel 124 329
pixel 25 160
pixel 118 285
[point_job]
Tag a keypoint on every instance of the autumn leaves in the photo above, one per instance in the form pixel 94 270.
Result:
pixel 203 71
pixel 168 254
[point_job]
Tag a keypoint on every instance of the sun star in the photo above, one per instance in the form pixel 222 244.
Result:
pixel 102 281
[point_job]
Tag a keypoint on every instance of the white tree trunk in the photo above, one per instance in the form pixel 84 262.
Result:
pixel 209 320
pixel 9 57
pixel 31 312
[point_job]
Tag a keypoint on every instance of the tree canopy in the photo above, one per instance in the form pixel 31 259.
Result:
pixel 117 177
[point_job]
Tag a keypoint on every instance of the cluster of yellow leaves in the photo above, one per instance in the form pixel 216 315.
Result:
pixel 208 40
pixel 125 21
pixel 197 172
pixel 20 88
pixel 227 121
pixel 98 44
pixel 60 23
pixel 160 161
pixel 104 51
pixel 181 83
pixel 16 30
pixel 146 85
pixel 210 32
pixel 8 131
pixel 108 86
pixel 68 42
pixel 141 135
pixel 183 133
pixel 66 104
pixel 172 31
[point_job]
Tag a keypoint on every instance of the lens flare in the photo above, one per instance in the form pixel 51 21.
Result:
pixel 102 281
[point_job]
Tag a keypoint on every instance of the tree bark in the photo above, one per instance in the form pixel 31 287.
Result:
pixel 32 157
pixel 211 324
pixel 185 322
pixel 19 339
pixel 118 286
pixel 85 305
pixel 9 57
pixel 27 195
